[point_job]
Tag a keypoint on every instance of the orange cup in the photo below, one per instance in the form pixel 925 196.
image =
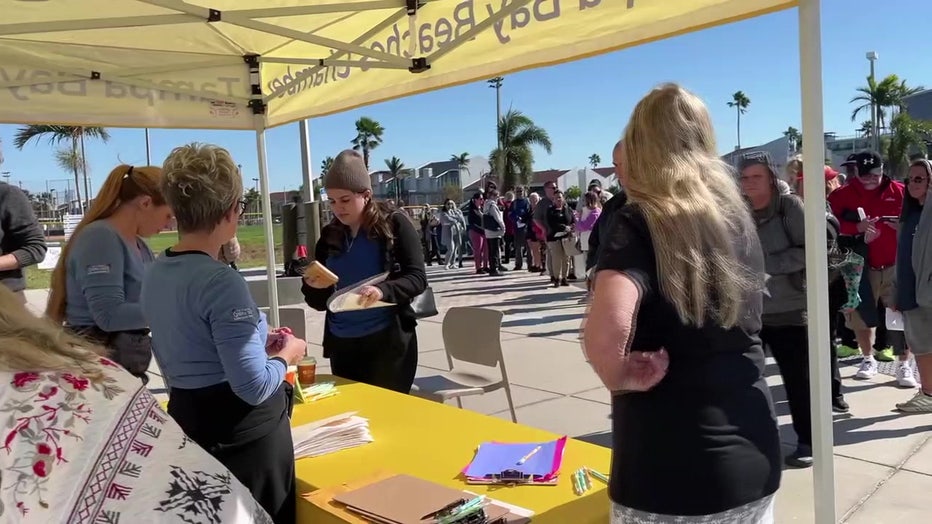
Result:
pixel 290 374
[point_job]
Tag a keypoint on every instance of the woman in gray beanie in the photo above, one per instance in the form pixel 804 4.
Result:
pixel 377 345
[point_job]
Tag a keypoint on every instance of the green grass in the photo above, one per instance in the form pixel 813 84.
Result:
pixel 251 240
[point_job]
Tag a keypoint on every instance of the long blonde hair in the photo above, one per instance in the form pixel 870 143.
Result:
pixel 31 343
pixel 690 200
pixel 123 184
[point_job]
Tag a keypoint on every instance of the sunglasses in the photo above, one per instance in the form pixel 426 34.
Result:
pixel 242 207
pixel 917 179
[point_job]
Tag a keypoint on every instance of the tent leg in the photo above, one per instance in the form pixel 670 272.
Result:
pixel 810 59
pixel 267 221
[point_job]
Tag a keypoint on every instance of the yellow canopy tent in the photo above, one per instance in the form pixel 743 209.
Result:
pixel 255 64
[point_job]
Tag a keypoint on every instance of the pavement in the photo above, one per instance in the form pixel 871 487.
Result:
pixel 883 459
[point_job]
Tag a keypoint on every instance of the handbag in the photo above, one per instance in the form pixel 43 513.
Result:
pixel 571 245
pixel 425 304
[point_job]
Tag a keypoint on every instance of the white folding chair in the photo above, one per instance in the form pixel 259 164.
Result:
pixel 472 341
pixel 289 291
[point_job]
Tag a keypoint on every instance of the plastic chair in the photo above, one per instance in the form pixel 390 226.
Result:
pixel 289 291
pixel 472 341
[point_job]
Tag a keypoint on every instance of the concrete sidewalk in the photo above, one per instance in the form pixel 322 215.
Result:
pixel 883 459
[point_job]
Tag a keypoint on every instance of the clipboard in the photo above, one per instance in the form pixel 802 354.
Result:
pixel 401 499
pixel 347 299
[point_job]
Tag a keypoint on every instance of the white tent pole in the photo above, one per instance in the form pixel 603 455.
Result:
pixel 307 167
pixel 810 60
pixel 267 221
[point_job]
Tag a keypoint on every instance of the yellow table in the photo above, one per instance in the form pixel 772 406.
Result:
pixel 434 442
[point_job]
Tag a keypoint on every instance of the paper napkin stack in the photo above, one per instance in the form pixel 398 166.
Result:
pixel 331 434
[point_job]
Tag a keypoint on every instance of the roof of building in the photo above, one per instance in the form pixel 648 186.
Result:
pixel 604 171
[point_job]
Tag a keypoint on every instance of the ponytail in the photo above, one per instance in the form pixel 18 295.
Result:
pixel 123 184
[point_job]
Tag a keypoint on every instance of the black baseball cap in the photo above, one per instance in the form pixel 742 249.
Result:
pixel 869 162
pixel 850 160
pixel 595 183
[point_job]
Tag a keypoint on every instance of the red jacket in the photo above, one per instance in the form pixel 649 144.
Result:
pixel 886 200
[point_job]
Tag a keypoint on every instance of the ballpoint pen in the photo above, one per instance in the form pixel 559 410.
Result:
pixel 528 456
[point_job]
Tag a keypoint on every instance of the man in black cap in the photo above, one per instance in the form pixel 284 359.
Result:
pixel 875 235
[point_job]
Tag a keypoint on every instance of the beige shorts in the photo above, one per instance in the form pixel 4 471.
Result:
pixel 884 287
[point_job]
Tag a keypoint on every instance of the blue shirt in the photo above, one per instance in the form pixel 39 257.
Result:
pixel 362 260
pixel 905 273
pixel 103 279
pixel 206 328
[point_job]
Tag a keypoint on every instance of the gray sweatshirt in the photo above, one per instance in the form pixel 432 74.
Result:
pixel 781 229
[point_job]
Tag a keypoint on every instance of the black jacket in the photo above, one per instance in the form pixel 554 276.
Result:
pixel 20 235
pixel 595 237
pixel 403 260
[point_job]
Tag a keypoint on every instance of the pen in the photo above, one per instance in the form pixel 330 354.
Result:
pixel 597 475
pixel 529 455
pixel 325 395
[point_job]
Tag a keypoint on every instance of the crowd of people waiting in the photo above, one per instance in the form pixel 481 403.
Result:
pixel 694 270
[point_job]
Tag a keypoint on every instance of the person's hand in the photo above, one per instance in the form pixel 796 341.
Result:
pixel 275 342
pixel 317 281
pixel 643 370
pixel 871 233
pixel 292 349
pixel 369 295
pixel 865 224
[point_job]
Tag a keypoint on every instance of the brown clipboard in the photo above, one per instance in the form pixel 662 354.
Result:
pixel 395 499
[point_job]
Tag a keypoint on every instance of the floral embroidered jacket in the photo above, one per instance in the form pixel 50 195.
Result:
pixel 104 452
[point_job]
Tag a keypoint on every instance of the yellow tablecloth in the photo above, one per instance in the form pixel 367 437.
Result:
pixel 434 442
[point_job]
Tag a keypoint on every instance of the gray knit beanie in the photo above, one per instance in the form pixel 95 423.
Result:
pixel 348 172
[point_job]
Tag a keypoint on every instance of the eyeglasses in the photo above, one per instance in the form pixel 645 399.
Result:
pixel 917 179
pixel 242 207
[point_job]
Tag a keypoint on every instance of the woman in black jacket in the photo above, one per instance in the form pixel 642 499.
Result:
pixel 560 220
pixel 374 345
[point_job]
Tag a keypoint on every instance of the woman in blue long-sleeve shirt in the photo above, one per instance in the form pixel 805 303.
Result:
pixel 225 369
pixel 95 286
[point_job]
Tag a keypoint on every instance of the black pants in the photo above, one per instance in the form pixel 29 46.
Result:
pixel 789 346
pixel 253 442
pixel 495 253
pixel 386 359
pixel 521 250
pixel 509 251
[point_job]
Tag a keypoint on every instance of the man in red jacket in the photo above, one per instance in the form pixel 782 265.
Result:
pixel 881 198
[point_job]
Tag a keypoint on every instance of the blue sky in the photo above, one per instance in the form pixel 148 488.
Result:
pixel 584 105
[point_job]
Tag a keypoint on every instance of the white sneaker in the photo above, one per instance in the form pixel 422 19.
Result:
pixel 867 369
pixel 905 377
pixel 920 403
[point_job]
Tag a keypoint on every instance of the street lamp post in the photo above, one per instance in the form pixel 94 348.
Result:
pixel 148 149
pixel 875 111
pixel 496 84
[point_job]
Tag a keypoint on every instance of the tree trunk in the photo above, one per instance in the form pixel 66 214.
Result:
pixel 77 178
pixel 87 188
pixel 739 127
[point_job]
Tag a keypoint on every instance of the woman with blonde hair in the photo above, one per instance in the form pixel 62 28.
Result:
pixel 66 456
pixel 96 284
pixel 224 367
pixel 673 329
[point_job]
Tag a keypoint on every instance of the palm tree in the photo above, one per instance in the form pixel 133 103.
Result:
pixel 866 130
pixel 462 163
pixel 517 134
pixel 368 136
pixel 793 135
pixel 325 166
pixel 595 160
pixel 395 167
pixel 73 136
pixel 740 102
pixel 889 93
pixel 906 134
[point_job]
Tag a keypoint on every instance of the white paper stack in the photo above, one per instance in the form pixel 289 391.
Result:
pixel 331 434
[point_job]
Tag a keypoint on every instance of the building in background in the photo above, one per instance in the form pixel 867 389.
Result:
pixel 919 105
pixel 780 150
